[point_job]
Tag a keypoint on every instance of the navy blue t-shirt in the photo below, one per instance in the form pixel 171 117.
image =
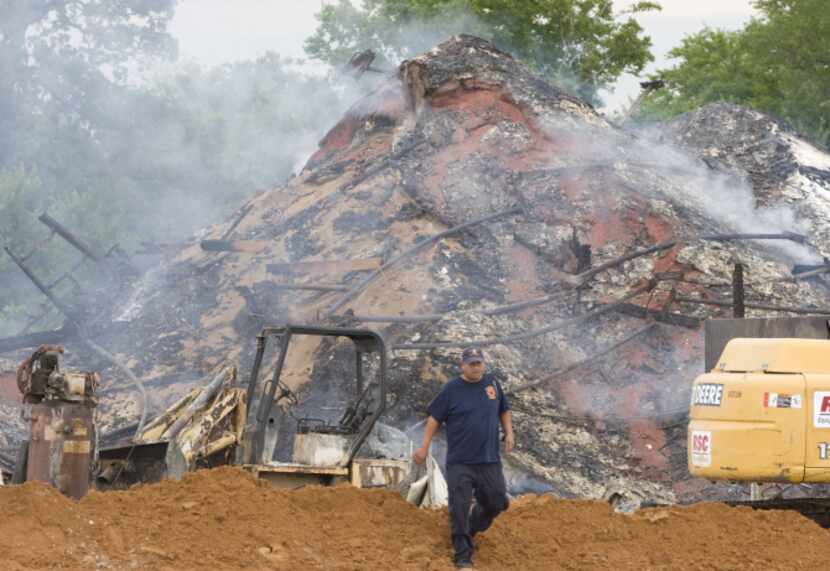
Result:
pixel 471 412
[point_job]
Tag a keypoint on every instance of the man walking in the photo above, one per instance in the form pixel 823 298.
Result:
pixel 472 406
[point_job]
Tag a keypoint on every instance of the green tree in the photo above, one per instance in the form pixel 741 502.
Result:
pixel 779 63
pixel 576 42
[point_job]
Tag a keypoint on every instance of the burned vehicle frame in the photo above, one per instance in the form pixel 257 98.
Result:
pixel 355 424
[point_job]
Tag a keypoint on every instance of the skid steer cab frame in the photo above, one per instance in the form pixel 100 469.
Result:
pixel 359 417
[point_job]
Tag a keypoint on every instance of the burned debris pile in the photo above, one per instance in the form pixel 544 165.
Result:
pixel 467 202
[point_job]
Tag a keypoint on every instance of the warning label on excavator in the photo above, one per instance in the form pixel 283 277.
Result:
pixel 778 400
pixel 701 448
pixel 821 409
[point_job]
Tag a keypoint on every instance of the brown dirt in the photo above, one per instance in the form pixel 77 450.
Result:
pixel 224 519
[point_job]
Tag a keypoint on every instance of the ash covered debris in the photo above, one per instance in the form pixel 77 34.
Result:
pixel 579 216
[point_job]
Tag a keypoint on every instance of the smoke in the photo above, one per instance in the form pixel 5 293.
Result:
pixel 129 146
pixel 725 200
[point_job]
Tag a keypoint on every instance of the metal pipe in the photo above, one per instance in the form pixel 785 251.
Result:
pixel 719 303
pixel 586 360
pixel 809 274
pixel 421 244
pixel 738 309
pixel 585 276
pixel 527 334
pixel 792 236
pixel 312 287
pixel 64 233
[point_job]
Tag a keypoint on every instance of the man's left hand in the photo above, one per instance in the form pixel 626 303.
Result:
pixel 509 442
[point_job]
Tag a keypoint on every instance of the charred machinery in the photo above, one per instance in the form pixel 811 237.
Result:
pixel 62 441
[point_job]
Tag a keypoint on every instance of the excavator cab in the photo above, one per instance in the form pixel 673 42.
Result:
pixel 325 447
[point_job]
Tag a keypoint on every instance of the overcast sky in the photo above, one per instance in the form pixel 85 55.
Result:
pixel 212 32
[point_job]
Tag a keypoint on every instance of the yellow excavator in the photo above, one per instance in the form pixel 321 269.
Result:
pixel 761 414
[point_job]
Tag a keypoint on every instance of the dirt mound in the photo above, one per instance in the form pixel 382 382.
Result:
pixel 224 519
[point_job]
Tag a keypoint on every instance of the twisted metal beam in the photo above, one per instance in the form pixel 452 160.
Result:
pixel 764 306
pixel 417 247
pixel 428 317
pixel 526 334
pixel 585 361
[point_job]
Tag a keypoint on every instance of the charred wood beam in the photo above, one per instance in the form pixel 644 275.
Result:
pixel 64 233
pixel 557 325
pixel 417 247
pixel 792 236
pixel 750 305
pixel 582 362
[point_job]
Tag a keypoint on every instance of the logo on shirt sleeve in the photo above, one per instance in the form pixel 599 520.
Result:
pixel 491 392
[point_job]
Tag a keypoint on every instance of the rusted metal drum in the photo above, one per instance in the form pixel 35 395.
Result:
pixel 62 446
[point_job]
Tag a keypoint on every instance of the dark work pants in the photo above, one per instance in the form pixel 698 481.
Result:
pixel 486 483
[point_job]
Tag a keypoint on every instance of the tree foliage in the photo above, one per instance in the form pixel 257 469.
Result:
pixel 577 42
pixel 779 63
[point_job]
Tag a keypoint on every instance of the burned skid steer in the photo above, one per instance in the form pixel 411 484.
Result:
pixel 212 425
pixel 324 451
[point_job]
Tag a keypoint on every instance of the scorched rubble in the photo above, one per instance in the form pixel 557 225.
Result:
pixel 461 133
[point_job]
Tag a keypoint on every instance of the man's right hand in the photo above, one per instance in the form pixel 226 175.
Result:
pixel 420 455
